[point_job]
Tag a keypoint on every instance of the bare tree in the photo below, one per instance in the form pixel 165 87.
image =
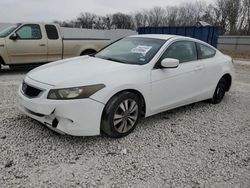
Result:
pixel 156 16
pixel 220 9
pixel 247 5
pixel 171 16
pixel 141 19
pixel 233 10
pixel 190 13
pixel 122 21
pixel 209 15
pixel 244 23
pixel 87 20
pixel 232 16
pixel 106 20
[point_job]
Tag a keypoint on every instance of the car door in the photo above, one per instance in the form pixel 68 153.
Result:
pixel 171 88
pixel 29 46
pixel 54 43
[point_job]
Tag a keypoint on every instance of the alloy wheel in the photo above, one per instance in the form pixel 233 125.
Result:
pixel 126 115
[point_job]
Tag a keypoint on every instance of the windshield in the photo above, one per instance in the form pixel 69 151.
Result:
pixel 132 50
pixel 8 30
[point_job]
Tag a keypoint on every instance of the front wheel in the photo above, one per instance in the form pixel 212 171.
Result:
pixel 121 115
pixel 219 91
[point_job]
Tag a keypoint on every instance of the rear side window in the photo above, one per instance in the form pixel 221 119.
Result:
pixel 184 51
pixel 205 51
pixel 51 32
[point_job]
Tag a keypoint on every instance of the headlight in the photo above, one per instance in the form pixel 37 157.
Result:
pixel 74 93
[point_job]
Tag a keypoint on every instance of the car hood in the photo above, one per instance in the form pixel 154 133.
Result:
pixel 78 71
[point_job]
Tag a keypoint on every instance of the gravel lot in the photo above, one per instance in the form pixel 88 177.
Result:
pixel 201 145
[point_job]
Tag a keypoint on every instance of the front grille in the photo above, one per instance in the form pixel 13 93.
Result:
pixel 30 91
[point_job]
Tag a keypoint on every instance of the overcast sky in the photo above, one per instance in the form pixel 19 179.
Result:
pixel 49 10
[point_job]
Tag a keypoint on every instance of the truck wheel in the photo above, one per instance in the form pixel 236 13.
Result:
pixel 88 52
pixel 1 62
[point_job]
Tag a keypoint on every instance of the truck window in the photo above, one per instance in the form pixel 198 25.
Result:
pixel 51 32
pixel 30 31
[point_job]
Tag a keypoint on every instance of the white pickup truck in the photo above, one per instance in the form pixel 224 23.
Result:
pixel 35 43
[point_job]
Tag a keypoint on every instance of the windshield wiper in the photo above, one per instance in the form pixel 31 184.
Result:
pixel 112 59
pixel 116 60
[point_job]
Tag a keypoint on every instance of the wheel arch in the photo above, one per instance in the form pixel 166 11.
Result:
pixel 87 51
pixel 136 92
pixel 2 62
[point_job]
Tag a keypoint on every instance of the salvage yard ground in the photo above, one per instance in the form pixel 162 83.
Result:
pixel 200 145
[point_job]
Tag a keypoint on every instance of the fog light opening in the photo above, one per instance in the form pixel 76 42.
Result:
pixel 55 123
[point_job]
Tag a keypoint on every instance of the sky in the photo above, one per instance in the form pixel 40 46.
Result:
pixel 49 10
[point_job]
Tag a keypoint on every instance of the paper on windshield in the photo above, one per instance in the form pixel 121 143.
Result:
pixel 141 49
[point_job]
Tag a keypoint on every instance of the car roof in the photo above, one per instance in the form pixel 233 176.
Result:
pixel 167 37
pixel 158 36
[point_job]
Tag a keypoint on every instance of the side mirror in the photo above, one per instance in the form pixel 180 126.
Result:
pixel 13 36
pixel 170 63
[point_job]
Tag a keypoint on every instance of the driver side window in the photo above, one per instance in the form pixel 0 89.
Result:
pixel 31 31
pixel 184 51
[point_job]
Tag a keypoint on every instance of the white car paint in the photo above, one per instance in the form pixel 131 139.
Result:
pixel 162 89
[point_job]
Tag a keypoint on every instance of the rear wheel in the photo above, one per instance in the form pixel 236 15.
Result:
pixel 88 52
pixel 121 115
pixel 1 62
pixel 219 91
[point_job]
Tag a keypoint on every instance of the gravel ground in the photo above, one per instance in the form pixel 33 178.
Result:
pixel 200 145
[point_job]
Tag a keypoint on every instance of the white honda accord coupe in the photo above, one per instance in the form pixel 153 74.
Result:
pixel 135 77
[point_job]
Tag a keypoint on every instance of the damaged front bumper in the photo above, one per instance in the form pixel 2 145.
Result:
pixel 81 117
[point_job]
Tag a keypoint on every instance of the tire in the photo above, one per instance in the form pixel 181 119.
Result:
pixel 88 52
pixel 121 115
pixel 1 63
pixel 220 91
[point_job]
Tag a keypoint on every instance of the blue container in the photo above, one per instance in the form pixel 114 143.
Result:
pixel 208 34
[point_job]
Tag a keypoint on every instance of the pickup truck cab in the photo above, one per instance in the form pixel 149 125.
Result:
pixel 37 43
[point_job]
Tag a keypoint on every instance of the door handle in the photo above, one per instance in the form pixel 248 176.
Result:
pixel 42 44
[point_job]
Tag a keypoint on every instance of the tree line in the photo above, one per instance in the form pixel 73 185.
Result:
pixel 232 16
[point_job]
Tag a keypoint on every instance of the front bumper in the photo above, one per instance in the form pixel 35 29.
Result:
pixel 80 117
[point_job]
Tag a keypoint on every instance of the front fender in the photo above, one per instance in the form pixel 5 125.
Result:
pixel 106 94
